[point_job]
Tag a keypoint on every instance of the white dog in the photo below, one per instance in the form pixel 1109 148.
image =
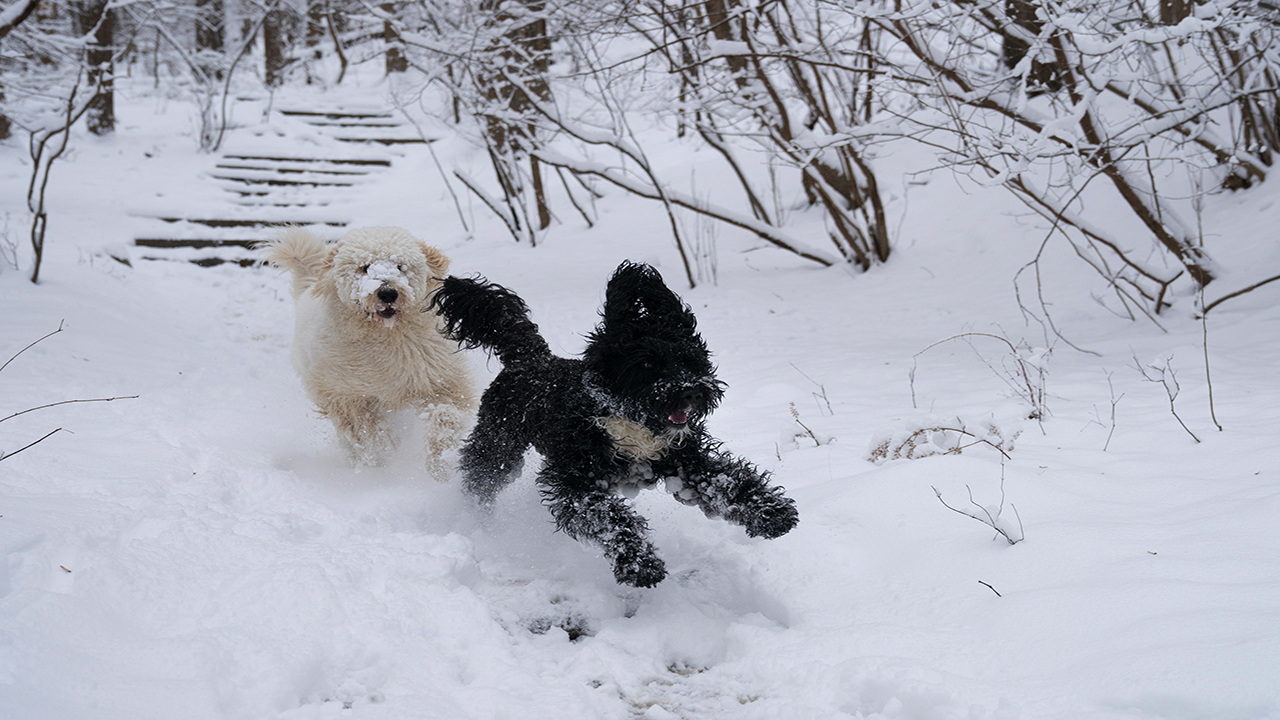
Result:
pixel 362 344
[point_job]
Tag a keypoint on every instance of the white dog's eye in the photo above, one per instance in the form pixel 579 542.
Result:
pixel 364 268
pixel 401 267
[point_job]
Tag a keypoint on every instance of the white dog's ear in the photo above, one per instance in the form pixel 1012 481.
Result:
pixel 326 281
pixel 436 260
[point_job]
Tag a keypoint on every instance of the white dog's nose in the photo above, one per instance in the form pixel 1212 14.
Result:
pixel 388 294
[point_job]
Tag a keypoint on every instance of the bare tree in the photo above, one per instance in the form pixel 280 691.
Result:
pixel 1118 97
pixel 748 78
pixel 47 143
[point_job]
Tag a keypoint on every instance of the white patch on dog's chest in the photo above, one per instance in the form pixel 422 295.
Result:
pixel 637 444
pixel 631 440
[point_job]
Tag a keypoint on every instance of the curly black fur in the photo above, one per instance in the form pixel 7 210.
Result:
pixel 631 412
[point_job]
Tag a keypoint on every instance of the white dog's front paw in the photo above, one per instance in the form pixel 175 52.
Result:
pixel 446 428
pixel 368 449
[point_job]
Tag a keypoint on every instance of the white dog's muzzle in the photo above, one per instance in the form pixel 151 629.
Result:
pixel 383 292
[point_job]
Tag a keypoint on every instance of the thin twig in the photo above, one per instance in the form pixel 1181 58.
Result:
pixel 1238 293
pixel 989 521
pixel 976 440
pixel 997 592
pixel 816 395
pixel 67 402
pixel 37 342
pixel 1167 375
pixel 1024 386
pixel 1114 401
pixel 1208 378
pixel 796 414
pixel 6 456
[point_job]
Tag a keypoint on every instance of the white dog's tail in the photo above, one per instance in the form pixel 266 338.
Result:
pixel 300 252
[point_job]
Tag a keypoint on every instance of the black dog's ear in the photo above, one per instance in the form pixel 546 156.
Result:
pixel 637 295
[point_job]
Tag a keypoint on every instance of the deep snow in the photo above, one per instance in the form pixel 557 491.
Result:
pixel 203 550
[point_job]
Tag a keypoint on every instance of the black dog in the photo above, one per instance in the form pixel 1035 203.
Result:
pixel 631 412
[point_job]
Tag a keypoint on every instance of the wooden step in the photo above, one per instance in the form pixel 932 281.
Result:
pixel 373 162
pixel 211 261
pixel 197 242
pixel 354 122
pixel 338 114
pixel 285 168
pixel 384 140
pixel 249 178
pixel 249 223
pixel 269 202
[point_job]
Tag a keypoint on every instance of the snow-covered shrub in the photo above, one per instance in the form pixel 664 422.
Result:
pixel 931 435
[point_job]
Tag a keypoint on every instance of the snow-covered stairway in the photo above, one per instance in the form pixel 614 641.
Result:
pixel 360 126
pixel 303 167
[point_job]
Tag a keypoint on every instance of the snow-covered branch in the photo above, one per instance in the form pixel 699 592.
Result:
pixel 13 15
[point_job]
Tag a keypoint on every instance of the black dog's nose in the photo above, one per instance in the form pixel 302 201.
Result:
pixel 692 397
pixel 388 294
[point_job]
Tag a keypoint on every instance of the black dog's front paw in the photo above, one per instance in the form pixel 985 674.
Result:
pixel 639 569
pixel 771 520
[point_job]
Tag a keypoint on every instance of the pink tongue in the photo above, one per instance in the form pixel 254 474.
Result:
pixel 679 417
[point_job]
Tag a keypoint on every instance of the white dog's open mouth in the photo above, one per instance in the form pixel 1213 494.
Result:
pixel 384 314
pixel 385 304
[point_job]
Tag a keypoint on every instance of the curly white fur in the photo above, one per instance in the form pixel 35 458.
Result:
pixel 362 344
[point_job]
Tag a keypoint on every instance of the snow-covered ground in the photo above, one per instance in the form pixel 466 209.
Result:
pixel 204 551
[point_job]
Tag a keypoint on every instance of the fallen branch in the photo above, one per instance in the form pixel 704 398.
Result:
pixel 6 456
pixel 1237 293
pixel 67 402
pixel 37 342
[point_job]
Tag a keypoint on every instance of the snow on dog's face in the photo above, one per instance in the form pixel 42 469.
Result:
pixel 384 272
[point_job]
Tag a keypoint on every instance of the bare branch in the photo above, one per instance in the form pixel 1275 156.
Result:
pixel 1237 293
pixel 6 456
pixel 37 342
pixel 988 520
pixel 67 402
pixel 12 16
pixel 1168 379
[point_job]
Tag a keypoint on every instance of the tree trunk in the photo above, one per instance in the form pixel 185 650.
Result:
pixel 6 125
pixel 523 53
pixel 93 16
pixel 274 46
pixel 1173 12
pixel 396 60
pixel 209 37
pixel 209 24
pixel 1042 76
pixel 317 25
pixel 722 21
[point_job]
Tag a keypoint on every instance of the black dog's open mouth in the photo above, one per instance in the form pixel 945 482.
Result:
pixel 679 417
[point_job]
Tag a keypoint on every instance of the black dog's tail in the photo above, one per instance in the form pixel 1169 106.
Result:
pixel 478 313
